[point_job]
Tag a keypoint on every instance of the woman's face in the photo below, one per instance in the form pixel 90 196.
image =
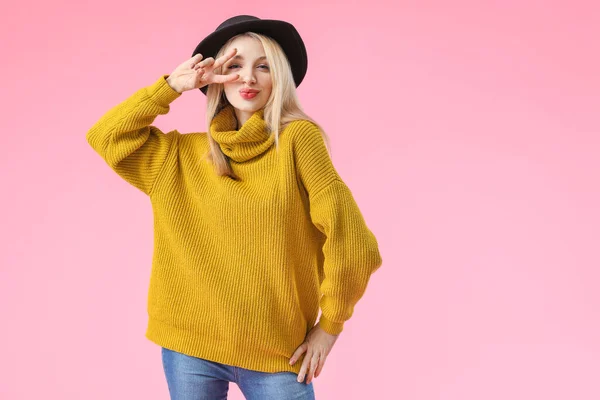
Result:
pixel 251 64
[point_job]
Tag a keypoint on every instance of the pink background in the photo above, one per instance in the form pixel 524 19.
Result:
pixel 467 131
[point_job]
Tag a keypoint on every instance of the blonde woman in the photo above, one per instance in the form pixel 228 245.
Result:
pixel 254 229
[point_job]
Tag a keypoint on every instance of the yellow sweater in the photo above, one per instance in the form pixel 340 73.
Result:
pixel 239 267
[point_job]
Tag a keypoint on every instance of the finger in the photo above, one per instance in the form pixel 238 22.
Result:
pixel 320 366
pixel 298 353
pixel 199 76
pixel 221 60
pixel 196 58
pixel 204 63
pixel 226 78
pixel 314 360
pixel 207 61
pixel 305 364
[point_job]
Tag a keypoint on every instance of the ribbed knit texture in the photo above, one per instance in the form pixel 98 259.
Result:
pixel 239 267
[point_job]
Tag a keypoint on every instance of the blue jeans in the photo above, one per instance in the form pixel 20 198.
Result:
pixel 192 378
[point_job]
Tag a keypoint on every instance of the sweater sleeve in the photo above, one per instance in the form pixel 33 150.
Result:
pixel 351 252
pixel 124 138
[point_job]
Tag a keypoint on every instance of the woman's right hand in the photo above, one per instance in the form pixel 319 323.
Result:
pixel 196 73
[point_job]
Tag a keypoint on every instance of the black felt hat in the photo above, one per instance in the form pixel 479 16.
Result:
pixel 283 32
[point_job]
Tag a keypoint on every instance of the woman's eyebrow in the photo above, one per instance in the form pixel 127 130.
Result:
pixel 240 57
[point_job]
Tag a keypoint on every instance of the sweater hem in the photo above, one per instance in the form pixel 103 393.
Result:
pixel 195 345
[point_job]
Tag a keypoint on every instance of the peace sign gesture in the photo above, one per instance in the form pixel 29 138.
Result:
pixel 195 73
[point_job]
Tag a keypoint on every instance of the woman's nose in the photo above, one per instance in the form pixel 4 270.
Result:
pixel 248 77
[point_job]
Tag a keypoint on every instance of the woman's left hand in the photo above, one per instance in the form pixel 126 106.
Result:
pixel 317 346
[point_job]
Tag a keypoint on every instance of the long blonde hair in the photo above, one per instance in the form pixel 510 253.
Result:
pixel 282 107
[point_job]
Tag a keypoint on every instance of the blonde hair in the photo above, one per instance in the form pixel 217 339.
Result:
pixel 282 107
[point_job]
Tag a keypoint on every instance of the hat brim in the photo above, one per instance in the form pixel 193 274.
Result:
pixel 283 32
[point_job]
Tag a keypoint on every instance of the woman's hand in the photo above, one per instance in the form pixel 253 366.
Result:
pixel 317 345
pixel 195 73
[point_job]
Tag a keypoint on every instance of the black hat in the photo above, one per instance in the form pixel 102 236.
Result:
pixel 283 32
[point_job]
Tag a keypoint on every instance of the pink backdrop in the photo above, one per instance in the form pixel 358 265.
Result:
pixel 467 131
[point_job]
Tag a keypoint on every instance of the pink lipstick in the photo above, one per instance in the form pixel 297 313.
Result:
pixel 248 93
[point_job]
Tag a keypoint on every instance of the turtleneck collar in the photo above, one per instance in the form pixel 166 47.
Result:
pixel 240 145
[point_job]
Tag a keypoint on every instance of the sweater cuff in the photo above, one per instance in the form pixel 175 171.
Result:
pixel 333 328
pixel 161 92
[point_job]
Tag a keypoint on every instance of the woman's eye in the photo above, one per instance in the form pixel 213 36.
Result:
pixel 236 65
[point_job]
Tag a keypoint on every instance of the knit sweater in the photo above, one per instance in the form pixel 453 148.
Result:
pixel 240 268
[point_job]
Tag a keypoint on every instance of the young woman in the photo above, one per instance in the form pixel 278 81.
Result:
pixel 254 229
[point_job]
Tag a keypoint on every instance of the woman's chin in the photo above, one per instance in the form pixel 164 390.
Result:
pixel 248 106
